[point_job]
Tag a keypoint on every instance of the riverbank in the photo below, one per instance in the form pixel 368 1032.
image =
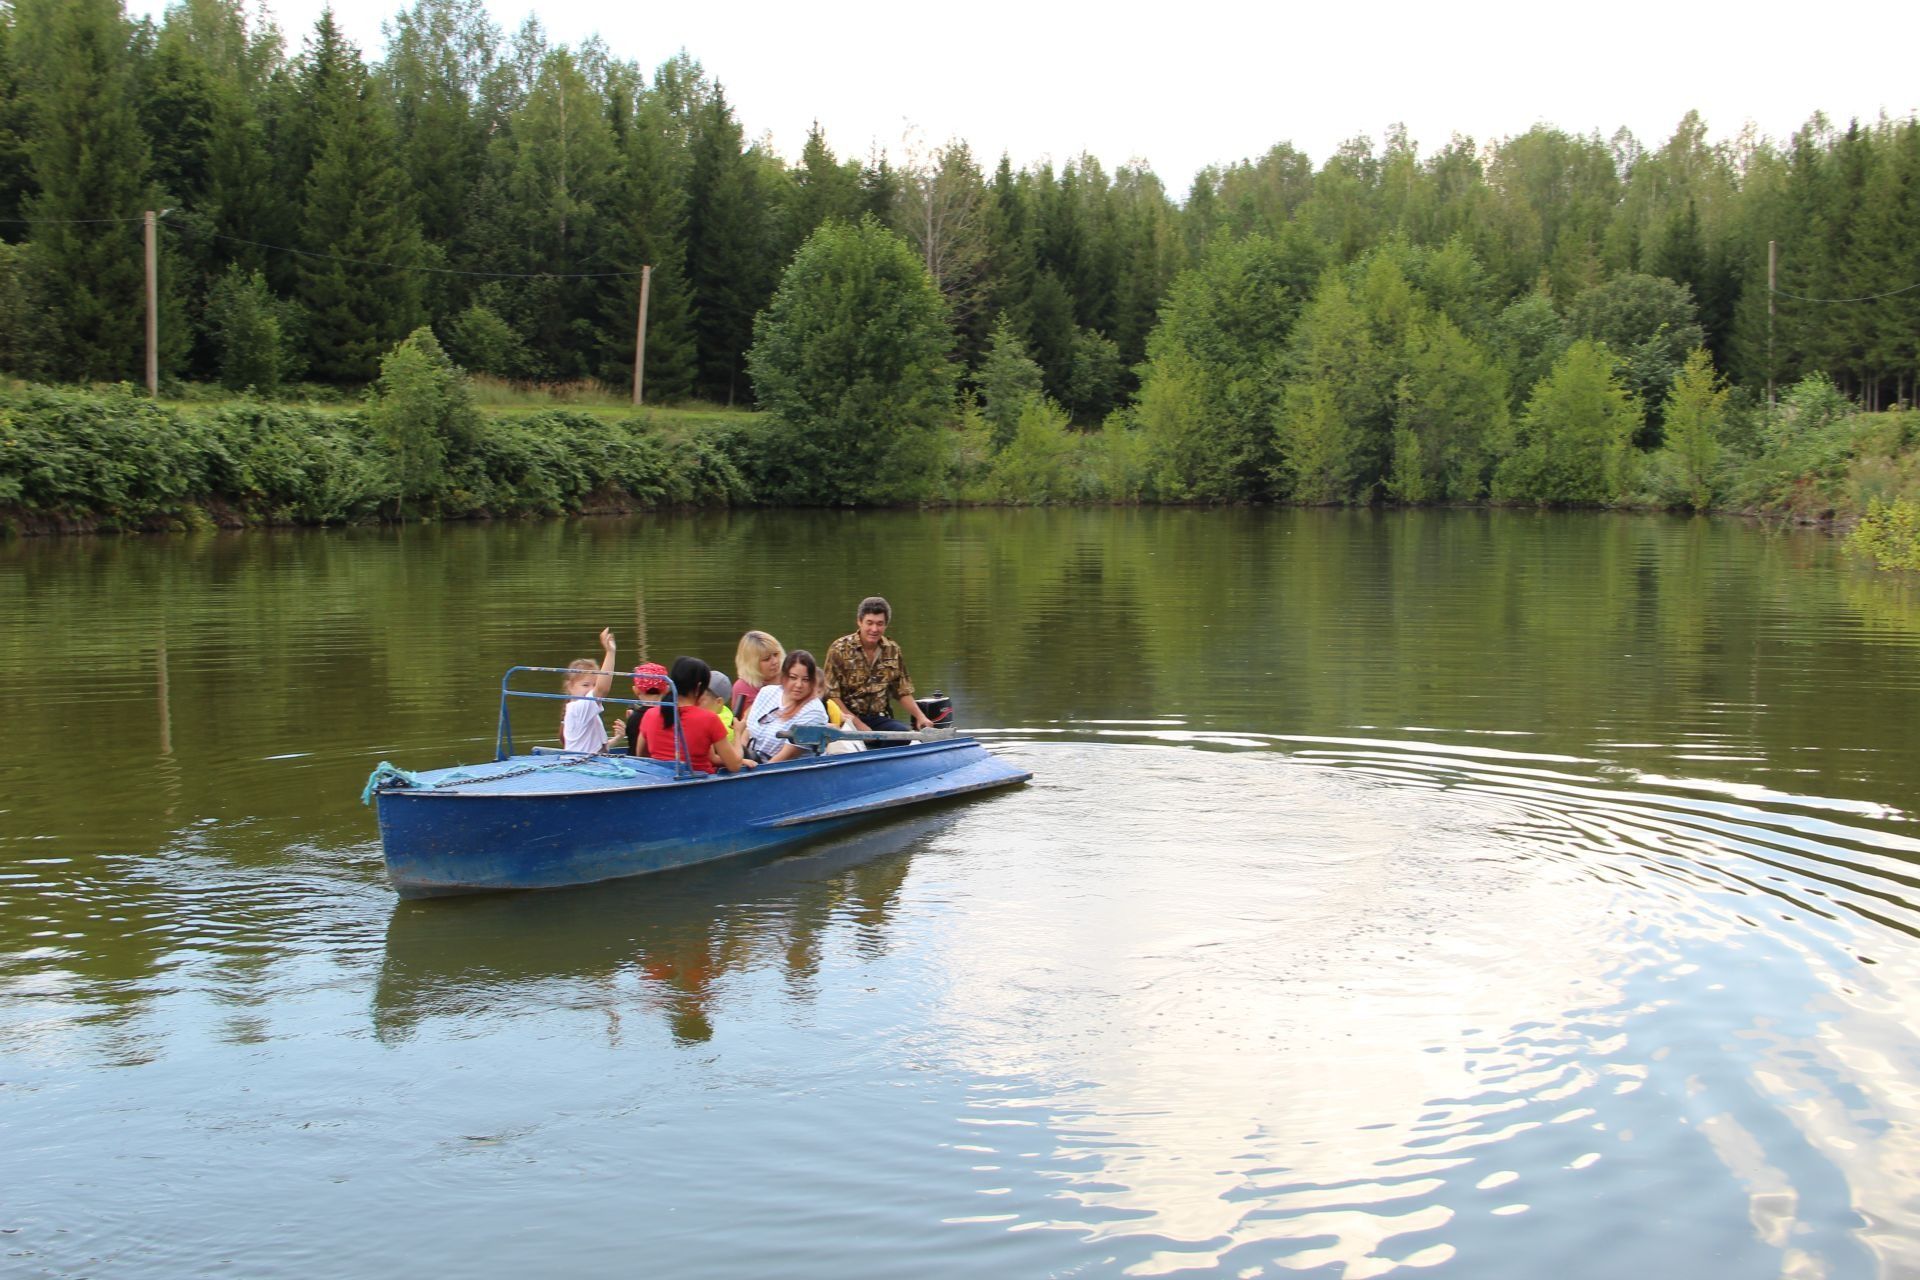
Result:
pixel 115 461
pixel 111 460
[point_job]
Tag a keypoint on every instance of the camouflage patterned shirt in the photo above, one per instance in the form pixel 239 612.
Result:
pixel 867 689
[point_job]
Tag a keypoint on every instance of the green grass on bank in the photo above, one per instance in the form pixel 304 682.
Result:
pixel 493 397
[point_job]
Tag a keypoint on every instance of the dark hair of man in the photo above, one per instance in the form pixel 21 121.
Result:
pixel 873 604
pixel 690 677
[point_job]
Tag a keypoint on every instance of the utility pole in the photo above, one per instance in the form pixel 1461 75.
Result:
pixel 153 309
pixel 1773 263
pixel 640 337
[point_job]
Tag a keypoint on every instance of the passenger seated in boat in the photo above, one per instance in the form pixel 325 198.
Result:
pixel 706 738
pixel 585 685
pixel 794 701
pixel 717 697
pixel 757 664
pixel 649 681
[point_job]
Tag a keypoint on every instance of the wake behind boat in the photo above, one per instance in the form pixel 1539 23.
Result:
pixel 547 819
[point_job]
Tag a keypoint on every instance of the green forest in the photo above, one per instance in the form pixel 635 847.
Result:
pixel 350 241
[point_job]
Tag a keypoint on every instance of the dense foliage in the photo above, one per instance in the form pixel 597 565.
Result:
pixel 1545 318
pixel 472 179
pixel 850 355
pixel 117 460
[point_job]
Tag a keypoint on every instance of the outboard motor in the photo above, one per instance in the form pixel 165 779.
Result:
pixel 937 707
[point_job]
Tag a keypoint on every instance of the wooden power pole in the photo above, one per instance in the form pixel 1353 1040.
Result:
pixel 153 309
pixel 640 337
pixel 1773 262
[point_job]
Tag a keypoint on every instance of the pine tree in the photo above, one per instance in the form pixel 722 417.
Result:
pixel 16 161
pixel 89 163
pixel 439 53
pixel 727 267
pixel 357 283
pixel 647 226
pixel 1008 379
pixel 1010 247
pixel 561 167
pixel 1885 255
pixel 293 112
pixel 241 202
pixel 825 187
pixel 177 93
pixel 879 190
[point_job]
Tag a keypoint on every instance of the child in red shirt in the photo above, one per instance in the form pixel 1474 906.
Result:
pixel 706 737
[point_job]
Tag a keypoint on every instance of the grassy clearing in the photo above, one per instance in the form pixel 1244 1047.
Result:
pixel 493 397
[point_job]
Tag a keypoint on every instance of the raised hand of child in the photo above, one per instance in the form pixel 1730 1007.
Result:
pixel 606 638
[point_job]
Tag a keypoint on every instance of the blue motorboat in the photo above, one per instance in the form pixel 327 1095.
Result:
pixel 545 819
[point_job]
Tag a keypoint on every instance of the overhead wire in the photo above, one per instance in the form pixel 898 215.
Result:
pixel 399 266
pixel 188 229
pixel 1871 297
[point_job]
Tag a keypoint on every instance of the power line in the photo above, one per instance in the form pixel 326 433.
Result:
pixel 334 257
pixel 62 222
pixel 395 266
pixel 1872 297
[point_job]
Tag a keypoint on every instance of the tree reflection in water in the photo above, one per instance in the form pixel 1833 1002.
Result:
pixel 668 943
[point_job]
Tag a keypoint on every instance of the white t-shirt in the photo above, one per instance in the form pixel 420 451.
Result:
pixel 764 721
pixel 581 729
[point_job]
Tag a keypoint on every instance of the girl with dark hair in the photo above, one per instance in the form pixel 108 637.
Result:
pixel 794 701
pixel 702 730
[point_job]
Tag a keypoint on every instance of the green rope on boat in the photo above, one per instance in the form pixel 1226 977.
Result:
pixel 384 775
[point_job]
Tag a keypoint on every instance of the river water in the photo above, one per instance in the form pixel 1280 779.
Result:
pixel 1431 893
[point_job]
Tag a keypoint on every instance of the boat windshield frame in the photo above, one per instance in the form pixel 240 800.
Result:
pixel 503 739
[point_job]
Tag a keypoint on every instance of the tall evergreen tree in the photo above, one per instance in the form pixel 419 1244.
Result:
pixel 1884 256
pixel 358 281
pixel 177 103
pixel 295 107
pixel 89 163
pixel 825 187
pixel 439 54
pixel 561 168
pixel 16 160
pixel 647 228
pixel 727 265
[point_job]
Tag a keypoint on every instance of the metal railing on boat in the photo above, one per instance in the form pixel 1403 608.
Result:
pixel 503 740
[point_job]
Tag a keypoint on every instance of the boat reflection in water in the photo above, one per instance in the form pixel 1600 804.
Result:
pixel 665 943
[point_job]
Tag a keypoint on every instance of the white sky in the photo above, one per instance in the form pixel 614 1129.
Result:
pixel 1188 83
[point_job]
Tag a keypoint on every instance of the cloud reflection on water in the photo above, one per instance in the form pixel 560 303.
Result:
pixel 1302 1016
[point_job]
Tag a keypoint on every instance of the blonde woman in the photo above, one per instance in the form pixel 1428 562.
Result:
pixel 757 664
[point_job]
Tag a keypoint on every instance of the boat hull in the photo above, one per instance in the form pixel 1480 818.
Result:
pixel 519 830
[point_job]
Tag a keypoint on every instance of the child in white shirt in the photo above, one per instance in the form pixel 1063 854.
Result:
pixel 586 684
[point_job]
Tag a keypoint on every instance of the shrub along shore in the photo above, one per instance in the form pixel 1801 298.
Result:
pixel 419 448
